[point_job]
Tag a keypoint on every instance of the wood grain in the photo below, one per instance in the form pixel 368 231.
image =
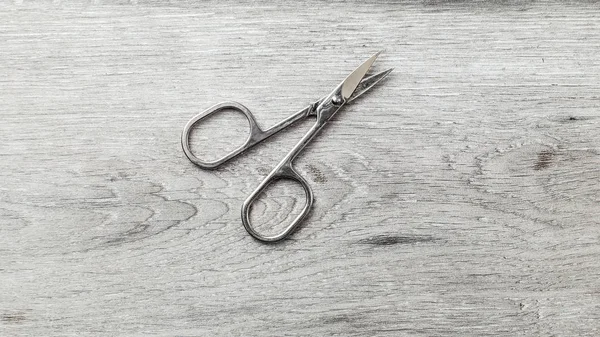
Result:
pixel 460 197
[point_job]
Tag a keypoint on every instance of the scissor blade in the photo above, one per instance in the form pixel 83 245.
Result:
pixel 364 86
pixel 368 83
pixel 352 81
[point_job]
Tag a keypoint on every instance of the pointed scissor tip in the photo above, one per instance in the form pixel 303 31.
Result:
pixel 352 81
pixel 379 52
pixel 376 55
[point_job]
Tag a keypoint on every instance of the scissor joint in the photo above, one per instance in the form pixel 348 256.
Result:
pixel 312 111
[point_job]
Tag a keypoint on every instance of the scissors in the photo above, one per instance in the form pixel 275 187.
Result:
pixel 324 109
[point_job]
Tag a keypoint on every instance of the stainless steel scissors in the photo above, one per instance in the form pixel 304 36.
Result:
pixel 353 86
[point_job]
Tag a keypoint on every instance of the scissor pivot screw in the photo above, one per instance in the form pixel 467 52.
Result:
pixel 337 100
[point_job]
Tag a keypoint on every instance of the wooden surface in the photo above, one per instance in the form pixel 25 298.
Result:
pixel 459 198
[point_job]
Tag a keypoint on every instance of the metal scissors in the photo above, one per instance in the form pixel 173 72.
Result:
pixel 353 86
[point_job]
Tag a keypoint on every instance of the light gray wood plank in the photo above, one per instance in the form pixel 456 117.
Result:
pixel 460 197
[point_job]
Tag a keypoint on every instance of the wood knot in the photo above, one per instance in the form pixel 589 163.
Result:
pixel 544 160
pixel 316 174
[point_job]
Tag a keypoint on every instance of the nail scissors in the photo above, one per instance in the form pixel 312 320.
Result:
pixel 353 86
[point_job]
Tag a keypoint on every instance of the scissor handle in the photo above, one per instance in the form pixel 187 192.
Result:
pixel 256 134
pixel 282 171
